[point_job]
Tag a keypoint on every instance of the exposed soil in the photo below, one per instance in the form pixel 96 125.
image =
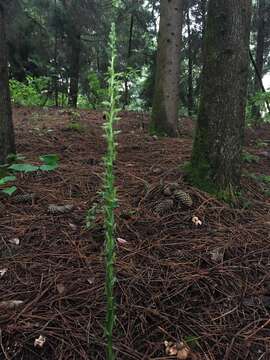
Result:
pixel 206 285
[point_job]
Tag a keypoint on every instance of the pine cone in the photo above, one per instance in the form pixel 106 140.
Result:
pixel 24 198
pixel 170 188
pixel 164 207
pixel 183 198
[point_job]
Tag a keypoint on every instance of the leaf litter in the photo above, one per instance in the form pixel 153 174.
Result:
pixel 173 279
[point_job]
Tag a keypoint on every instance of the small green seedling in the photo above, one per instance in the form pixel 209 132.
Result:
pixel 75 126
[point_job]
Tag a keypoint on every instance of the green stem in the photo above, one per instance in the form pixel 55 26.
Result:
pixel 109 195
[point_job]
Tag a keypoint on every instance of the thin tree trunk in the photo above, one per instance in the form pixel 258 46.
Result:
pixel 203 7
pixel 259 78
pixel 190 68
pixel 55 78
pixel 166 92
pixel 7 139
pixel 126 96
pixel 98 59
pixel 261 21
pixel 203 11
pixel 216 158
pixel 75 43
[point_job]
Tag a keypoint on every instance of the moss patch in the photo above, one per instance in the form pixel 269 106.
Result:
pixel 201 177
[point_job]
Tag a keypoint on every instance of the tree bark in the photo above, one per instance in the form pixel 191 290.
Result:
pixel 75 43
pixel 166 92
pixel 126 94
pixel 7 139
pixel 261 22
pixel 217 150
pixel 55 77
pixel 190 68
pixel 257 74
pixel 203 11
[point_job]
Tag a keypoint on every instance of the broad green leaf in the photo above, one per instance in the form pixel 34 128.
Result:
pixel 6 179
pixel 48 167
pixel 50 159
pixel 23 167
pixel 10 190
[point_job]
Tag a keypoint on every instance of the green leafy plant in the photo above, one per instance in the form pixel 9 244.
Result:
pixel 266 179
pixel 8 171
pixel 91 215
pixel 75 126
pixel 261 144
pixel 109 192
pixel 50 162
pixel 250 158
pixel 29 93
pixel 23 168
pixel 97 94
pixel 11 189
pixel 259 100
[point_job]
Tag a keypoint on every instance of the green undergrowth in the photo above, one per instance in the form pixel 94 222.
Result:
pixel 261 144
pixel 16 165
pixel 75 126
pixel 261 179
pixel 250 158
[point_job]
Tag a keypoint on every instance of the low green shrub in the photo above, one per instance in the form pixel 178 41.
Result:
pixel 29 93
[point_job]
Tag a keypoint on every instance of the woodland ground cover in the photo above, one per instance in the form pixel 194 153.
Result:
pixel 206 285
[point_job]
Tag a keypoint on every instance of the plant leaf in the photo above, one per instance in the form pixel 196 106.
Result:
pixel 23 167
pixel 6 179
pixel 48 167
pixel 50 159
pixel 10 190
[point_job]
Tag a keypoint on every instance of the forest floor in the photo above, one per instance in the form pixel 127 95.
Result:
pixel 207 286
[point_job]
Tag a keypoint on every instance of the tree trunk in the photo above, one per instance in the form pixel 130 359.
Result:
pixel 261 21
pixel 55 77
pixel 257 73
pixel 203 12
pixel 190 68
pixel 7 140
pixel 217 150
pixel 126 95
pixel 75 42
pixel 166 92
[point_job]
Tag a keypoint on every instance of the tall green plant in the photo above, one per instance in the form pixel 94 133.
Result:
pixel 109 192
